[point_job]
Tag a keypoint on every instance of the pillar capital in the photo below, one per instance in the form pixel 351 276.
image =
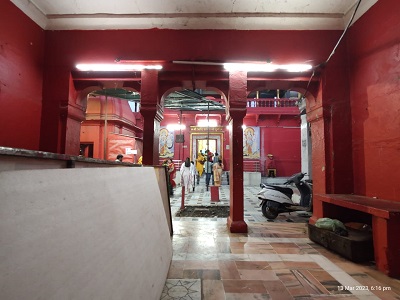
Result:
pixel 152 111
pixel 235 113
pixel 149 93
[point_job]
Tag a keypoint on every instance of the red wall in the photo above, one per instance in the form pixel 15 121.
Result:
pixel 282 139
pixel 21 73
pixel 375 101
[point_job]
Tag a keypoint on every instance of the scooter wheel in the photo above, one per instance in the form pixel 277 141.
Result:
pixel 268 211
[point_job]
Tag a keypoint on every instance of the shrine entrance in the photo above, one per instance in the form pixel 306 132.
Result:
pixel 203 138
pixel 203 145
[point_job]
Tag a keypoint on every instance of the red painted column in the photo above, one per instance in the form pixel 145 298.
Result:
pixel 72 114
pixel 330 119
pixel 236 112
pixel 152 114
pixel 56 89
pixel 61 114
pixel 387 245
pixel 315 117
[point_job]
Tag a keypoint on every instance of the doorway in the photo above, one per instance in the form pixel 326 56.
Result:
pixel 204 144
pixel 86 150
pixel 198 141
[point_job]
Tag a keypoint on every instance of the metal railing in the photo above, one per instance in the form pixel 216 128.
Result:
pixel 251 166
pixel 279 102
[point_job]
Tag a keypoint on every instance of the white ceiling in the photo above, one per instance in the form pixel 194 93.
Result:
pixel 193 14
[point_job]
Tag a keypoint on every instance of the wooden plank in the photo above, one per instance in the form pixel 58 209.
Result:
pixel 377 207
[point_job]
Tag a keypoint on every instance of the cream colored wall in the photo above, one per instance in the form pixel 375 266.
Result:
pixel 95 233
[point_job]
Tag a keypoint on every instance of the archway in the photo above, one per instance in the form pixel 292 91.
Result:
pixel 191 116
pixel 111 125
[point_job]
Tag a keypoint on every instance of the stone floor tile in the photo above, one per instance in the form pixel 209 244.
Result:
pixel 257 275
pixel 182 289
pixel 252 265
pixel 284 245
pixel 246 296
pixel 176 269
pixel 302 265
pixel 298 292
pixel 288 250
pixel 202 274
pixel 312 285
pixel 244 286
pixel 228 270
pixel 277 290
pixel 213 290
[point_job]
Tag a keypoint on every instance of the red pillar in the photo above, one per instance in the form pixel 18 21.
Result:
pixel 72 115
pixel 183 198
pixel 330 117
pixel 319 159
pixel 387 245
pixel 56 89
pixel 152 115
pixel 236 112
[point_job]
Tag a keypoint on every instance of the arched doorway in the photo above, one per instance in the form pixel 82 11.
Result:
pixel 111 126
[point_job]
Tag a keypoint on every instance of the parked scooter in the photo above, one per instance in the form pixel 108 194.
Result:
pixel 294 195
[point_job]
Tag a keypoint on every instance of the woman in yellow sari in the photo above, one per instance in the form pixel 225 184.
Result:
pixel 217 170
pixel 199 165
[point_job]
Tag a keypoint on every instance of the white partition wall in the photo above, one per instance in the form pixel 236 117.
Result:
pixel 96 233
pixel 306 160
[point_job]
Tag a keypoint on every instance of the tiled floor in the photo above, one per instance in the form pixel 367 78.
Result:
pixel 274 260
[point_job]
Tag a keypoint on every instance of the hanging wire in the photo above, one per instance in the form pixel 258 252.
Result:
pixel 334 49
pixel 208 127
pixel 344 32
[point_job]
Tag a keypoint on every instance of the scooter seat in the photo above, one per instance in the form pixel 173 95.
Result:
pixel 287 191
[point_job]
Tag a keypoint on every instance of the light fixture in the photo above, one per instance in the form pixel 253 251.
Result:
pixel 116 67
pixel 172 127
pixel 296 67
pixel 266 67
pixel 207 123
pixel 248 67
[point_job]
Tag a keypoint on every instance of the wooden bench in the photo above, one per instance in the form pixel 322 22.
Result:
pixel 382 215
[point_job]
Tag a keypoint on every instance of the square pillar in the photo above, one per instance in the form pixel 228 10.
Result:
pixel 152 114
pixel 236 111
pixel 214 191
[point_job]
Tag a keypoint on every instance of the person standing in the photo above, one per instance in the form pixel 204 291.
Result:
pixel 200 165
pixel 194 173
pixel 208 171
pixel 171 175
pixel 217 171
pixel 119 158
pixel 186 175
pixel 216 158
pixel 271 168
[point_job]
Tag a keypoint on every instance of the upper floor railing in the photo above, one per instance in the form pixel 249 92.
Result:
pixel 267 102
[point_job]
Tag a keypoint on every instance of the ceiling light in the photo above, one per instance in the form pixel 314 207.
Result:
pixel 172 127
pixel 266 67
pixel 116 67
pixel 209 123
pixel 296 67
pixel 250 67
